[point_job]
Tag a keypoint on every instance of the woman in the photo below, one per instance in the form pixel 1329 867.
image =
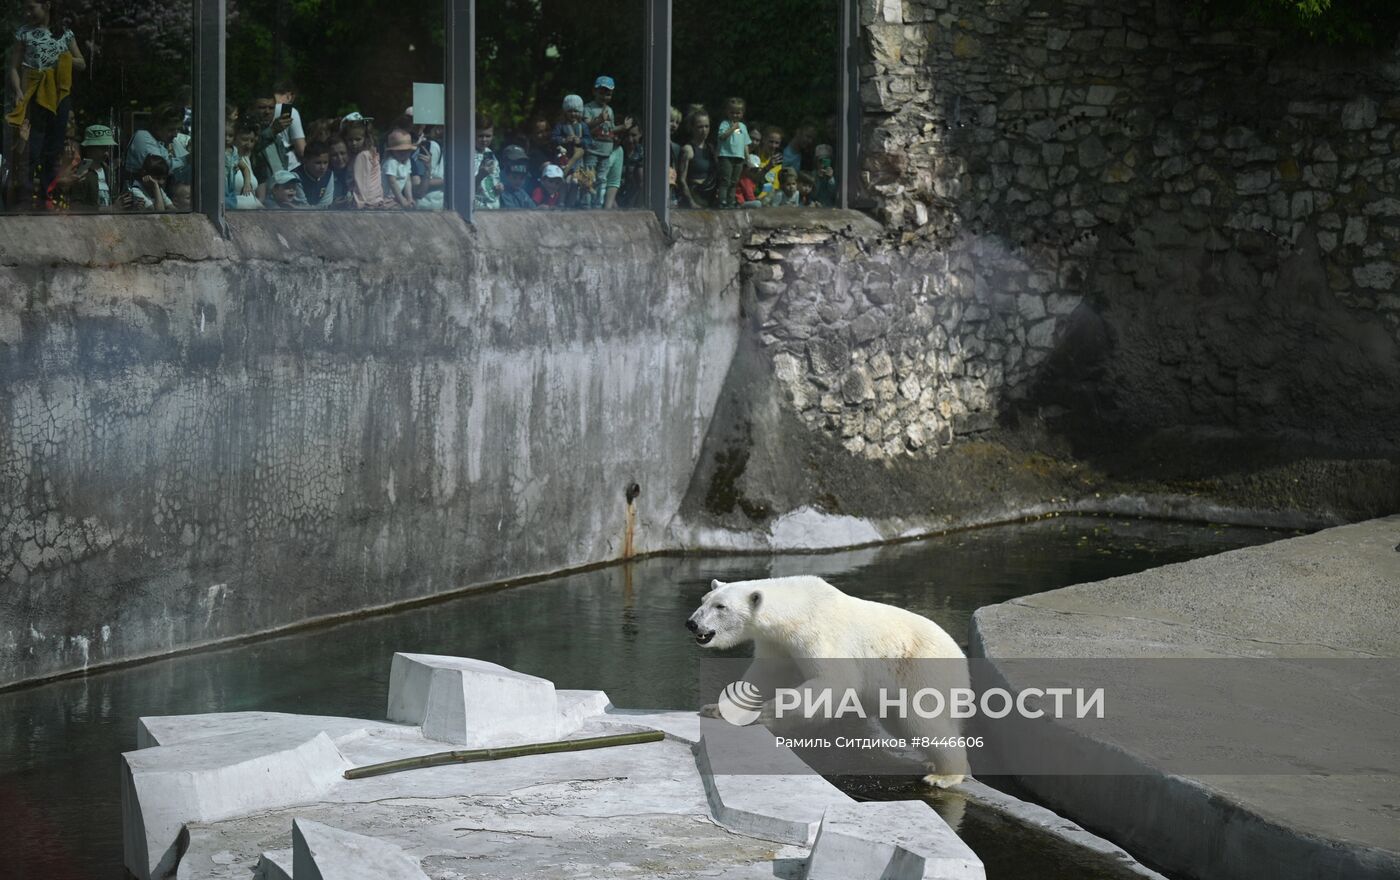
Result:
pixel 697 171
pixel 40 77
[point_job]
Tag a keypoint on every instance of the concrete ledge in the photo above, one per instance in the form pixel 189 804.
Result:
pixel 893 840
pixel 1332 594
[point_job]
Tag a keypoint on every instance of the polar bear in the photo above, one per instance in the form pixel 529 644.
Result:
pixel 805 619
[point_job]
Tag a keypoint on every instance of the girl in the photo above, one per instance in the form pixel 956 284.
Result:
pixel 398 167
pixel 247 192
pixel 366 171
pixel 697 169
pixel 40 77
pixel 733 150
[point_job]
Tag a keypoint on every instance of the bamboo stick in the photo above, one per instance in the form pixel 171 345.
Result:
pixel 468 756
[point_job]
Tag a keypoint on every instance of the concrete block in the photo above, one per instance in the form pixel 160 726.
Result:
pixel 210 779
pixel 578 707
pixel 471 702
pixel 782 807
pixel 320 852
pixel 276 865
pixel 895 840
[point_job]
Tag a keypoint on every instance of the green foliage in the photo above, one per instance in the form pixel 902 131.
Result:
pixel 343 55
pixel 1335 22
pixel 782 56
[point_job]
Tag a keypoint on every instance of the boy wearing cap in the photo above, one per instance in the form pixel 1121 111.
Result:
pixel 285 191
pixel 603 157
pixel 550 192
pixel 517 168
pixel 94 189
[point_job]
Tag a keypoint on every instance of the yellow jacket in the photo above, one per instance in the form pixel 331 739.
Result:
pixel 49 87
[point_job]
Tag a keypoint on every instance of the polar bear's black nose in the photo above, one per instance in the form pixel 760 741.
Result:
pixel 692 625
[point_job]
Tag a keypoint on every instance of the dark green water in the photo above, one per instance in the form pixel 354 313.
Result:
pixel 616 629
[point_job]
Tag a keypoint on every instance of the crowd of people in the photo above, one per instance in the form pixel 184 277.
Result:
pixel 585 158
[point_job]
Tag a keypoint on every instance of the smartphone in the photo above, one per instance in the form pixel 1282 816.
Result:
pixel 83 168
pixel 286 111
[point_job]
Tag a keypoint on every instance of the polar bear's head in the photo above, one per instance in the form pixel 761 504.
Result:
pixel 725 616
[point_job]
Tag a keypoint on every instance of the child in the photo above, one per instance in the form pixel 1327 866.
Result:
pixel 733 150
pixel 285 192
pixel 488 183
pixel 429 172
pixel 516 196
pixel 550 192
pixel 148 189
pixel 94 191
pixel 247 192
pixel 603 157
pixel 398 168
pixel 697 169
pixel 805 183
pixel 786 194
pixel 318 182
pixel 750 184
pixel 181 197
pixel 43 60
pixel 366 172
pixel 824 192
pixel 571 137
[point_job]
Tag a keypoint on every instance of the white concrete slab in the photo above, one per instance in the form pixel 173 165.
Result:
pixel 893 840
pixel 320 852
pixel 166 786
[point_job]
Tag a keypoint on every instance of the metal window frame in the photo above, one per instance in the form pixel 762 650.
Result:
pixel 850 102
pixel 210 49
pixel 460 81
pixel 207 141
pixel 658 104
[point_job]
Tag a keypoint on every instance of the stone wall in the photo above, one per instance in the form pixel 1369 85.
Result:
pixel 1123 255
pixel 1225 203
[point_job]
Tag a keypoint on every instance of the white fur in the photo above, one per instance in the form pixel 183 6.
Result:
pixel 805 618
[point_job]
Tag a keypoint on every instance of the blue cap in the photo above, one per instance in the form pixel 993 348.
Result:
pixel 604 82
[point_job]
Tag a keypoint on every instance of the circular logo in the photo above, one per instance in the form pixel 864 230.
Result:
pixel 740 703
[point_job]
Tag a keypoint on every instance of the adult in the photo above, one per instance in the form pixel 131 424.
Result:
pixel 292 137
pixel 697 169
pixel 43 59
pixel 157 139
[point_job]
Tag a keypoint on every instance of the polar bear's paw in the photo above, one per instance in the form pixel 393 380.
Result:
pixel 935 780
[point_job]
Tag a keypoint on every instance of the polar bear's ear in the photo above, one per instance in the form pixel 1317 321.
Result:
pixel 716 584
pixel 755 599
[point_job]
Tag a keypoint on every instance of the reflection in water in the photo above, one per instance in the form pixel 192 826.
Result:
pixel 620 629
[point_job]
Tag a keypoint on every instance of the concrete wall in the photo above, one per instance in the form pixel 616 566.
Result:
pixel 201 439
